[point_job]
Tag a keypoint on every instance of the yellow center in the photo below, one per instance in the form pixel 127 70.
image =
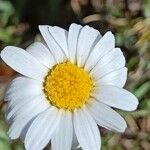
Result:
pixel 67 86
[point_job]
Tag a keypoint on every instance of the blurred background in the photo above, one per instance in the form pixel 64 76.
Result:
pixel 129 20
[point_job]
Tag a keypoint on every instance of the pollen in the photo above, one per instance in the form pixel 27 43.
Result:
pixel 67 86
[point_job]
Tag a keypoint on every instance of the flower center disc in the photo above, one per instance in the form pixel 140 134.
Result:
pixel 67 86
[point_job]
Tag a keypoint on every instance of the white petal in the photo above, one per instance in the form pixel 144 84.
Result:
pixel 16 109
pixel 42 54
pixel 23 62
pixel 114 60
pixel 54 47
pixel 75 143
pixel 116 78
pixel 73 36
pixel 106 116
pixel 116 97
pixel 87 39
pixel 64 134
pixel 60 35
pixel 20 91
pixel 42 129
pixel 86 130
pixel 20 83
pixel 25 114
pixel 106 44
pixel 22 88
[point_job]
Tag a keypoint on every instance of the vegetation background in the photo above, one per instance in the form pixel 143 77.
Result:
pixel 129 20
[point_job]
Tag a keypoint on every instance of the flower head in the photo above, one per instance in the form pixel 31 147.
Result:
pixel 66 88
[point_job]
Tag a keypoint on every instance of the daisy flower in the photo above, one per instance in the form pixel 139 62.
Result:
pixel 66 89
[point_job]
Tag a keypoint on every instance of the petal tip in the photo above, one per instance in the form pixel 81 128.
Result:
pixel 4 52
pixel 11 135
pixel 124 127
pixel 75 25
pixel 42 27
pixel 135 104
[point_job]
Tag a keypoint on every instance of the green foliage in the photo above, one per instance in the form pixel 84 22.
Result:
pixel 141 91
pixel 147 8
pixel 6 11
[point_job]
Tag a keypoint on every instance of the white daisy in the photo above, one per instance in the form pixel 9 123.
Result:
pixel 67 88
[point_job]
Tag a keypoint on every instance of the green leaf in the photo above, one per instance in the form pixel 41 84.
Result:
pixel 18 145
pixel 145 104
pixel 4 145
pixel 147 8
pixel 142 90
pixel 6 10
pixel 3 131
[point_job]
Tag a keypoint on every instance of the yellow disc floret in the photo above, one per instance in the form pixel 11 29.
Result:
pixel 67 86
